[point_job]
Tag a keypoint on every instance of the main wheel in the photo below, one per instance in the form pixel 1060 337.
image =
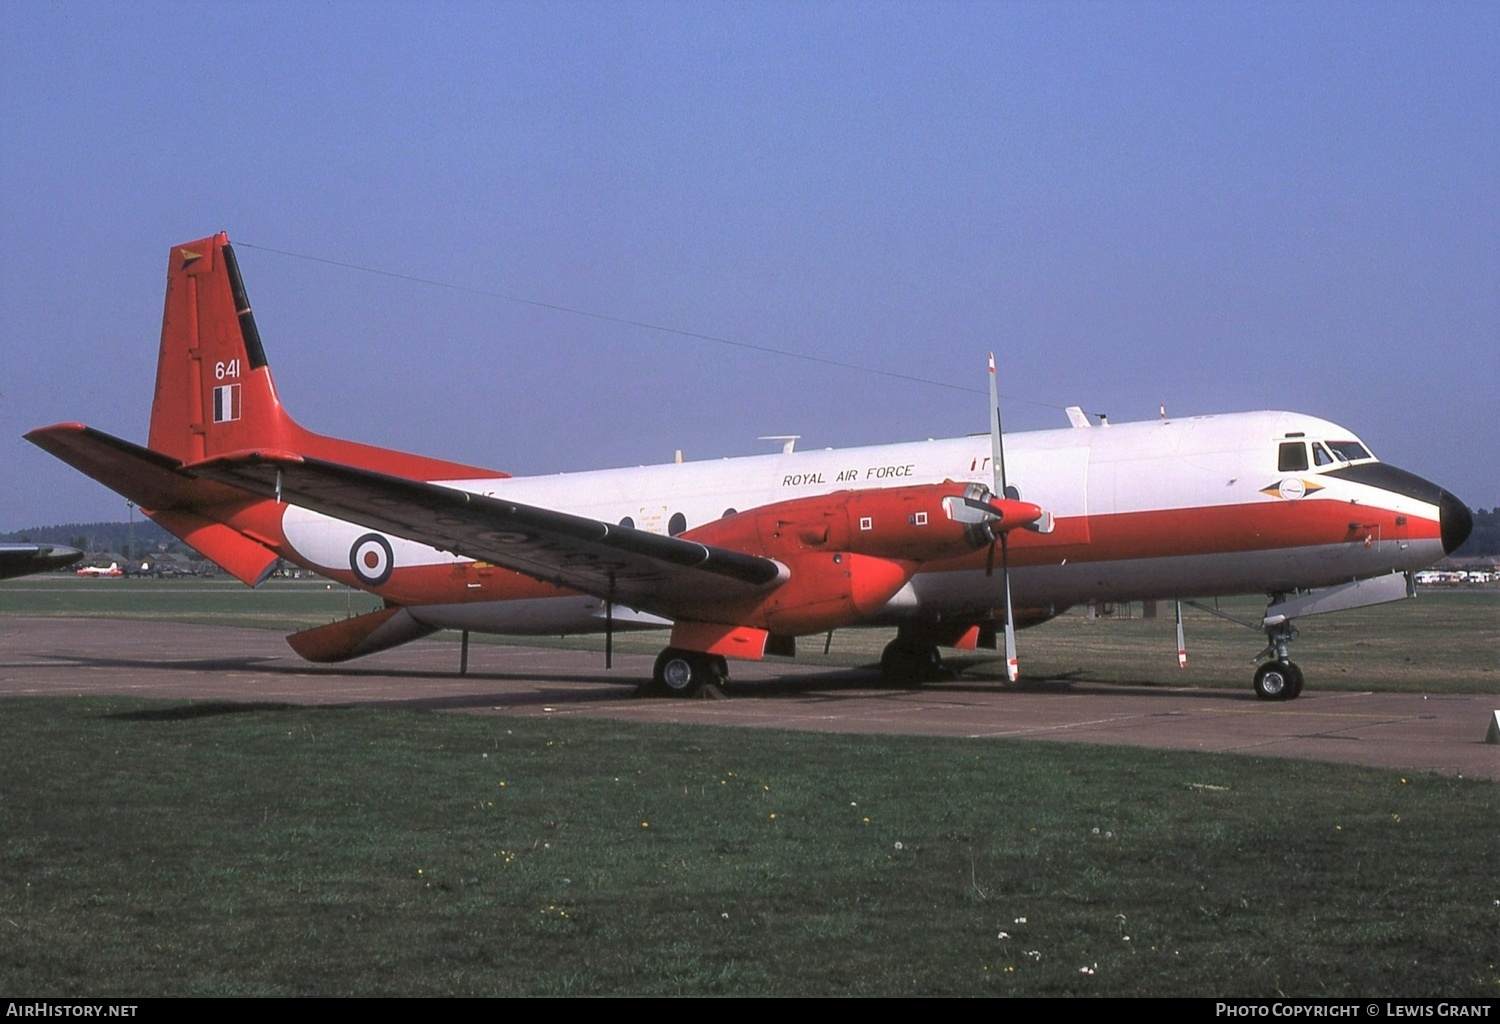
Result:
pixel 909 664
pixel 680 673
pixel 1273 680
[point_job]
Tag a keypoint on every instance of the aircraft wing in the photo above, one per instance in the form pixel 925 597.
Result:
pixel 665 575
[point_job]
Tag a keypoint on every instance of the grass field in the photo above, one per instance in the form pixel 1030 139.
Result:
pixel 210 848
pixel 219 849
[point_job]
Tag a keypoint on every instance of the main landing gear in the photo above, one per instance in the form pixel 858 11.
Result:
pixel 680 673
pixel 906 662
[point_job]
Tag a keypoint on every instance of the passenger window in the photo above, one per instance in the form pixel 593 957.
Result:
pixel 1321 456
pixel 1293 457
pixel 677 524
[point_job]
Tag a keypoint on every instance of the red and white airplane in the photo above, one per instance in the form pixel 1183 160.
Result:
pixel 113 569
pixel 737 557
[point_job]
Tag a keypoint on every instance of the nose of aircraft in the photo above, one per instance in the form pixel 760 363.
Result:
pixel 1456 521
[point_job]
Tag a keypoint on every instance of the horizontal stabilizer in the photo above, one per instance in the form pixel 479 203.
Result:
pixel 354 638
pixel 246 560
pixel 148 478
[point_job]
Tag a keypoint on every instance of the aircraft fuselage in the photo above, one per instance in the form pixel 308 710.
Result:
pixel 1195 507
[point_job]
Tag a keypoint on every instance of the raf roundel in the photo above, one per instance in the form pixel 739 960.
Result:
pixel 371 559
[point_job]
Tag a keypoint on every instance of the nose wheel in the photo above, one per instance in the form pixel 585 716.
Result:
pixel 1278 680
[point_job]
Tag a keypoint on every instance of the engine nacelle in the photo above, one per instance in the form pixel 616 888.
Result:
pixel 917 523
pixel 849 552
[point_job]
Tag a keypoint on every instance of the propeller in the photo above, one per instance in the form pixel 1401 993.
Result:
pixel 997 463
pixel 1008 512
pixel 997 512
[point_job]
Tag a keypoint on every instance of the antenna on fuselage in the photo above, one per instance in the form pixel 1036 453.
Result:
pixel 788 441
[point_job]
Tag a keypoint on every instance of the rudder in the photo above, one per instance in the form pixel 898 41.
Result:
pixel 214 392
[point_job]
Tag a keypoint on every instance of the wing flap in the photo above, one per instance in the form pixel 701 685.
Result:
pixel 666 575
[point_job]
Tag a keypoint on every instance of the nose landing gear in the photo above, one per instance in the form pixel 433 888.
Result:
pixel 1279 678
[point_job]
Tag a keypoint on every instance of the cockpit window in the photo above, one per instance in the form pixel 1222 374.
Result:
pixel 1293 457
pixel 1320 455
pixel 1350 451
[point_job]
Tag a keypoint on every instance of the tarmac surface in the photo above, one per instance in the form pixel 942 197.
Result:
pixel 1442 733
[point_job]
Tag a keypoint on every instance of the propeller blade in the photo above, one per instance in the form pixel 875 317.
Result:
pixel 997 450
pixel 1042 524
pixel 997 461
pixel 609 625
pixel 1181 640
pixel 1012 667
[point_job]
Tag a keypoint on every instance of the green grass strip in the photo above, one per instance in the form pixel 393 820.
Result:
pixel 161 848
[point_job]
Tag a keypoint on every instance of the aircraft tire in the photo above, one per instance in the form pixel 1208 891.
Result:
pixel 1296 681
pixel 680 673
pixel 1273 680
pixel 677 673
pixel 907 664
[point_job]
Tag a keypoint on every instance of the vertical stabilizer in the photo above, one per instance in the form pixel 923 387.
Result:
pixel 214 393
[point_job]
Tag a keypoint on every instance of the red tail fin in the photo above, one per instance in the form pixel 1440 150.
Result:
pixel 214 392
pixel 213 389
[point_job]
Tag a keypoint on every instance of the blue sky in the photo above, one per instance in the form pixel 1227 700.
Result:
pixel 1216 206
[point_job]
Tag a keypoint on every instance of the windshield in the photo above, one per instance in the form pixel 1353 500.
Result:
pixel 1349 451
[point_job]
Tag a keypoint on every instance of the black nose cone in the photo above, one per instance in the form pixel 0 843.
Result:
pixel 1456 520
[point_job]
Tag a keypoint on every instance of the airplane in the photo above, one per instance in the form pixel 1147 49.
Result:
pixel 739 557
pixel 25 559
pixel 113 569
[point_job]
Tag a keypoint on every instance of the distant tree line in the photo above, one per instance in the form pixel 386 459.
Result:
pixel 133 540
pixel 1485 540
